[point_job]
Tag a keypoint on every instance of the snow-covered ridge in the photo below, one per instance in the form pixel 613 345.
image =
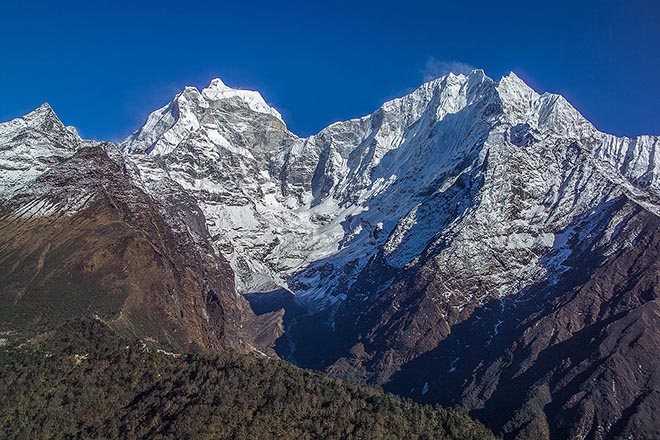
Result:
pixel 217 91
pixel 487 178
pixel 170 125
pixel 30 145
pixel 308 214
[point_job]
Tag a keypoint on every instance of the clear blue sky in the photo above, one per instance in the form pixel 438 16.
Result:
pixel 104 65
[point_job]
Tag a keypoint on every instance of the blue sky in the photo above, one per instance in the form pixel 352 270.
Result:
pixel 104 65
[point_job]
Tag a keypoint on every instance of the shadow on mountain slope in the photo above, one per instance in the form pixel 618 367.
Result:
pixel 559 361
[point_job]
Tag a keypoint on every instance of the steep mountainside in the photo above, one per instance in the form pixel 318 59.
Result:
pixel 467 206
pixel 575 359
pixel 79 238
pixel 308 214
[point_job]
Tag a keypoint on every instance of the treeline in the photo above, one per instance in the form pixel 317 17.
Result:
pixel 83 381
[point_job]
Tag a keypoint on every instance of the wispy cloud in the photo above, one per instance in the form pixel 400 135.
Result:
pixel 436 68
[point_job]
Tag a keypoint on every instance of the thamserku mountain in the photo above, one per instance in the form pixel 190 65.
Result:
pixel 473 243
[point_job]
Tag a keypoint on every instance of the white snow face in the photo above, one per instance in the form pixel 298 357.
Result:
pixel 482 176
pixel 30 145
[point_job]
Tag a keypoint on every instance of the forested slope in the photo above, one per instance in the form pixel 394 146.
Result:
pixel 82 381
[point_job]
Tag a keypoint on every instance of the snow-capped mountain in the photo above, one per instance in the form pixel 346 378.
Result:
pixel 457 224
pixel 432 169
pixel 473 242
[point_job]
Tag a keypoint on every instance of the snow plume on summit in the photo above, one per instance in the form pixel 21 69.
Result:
pixel 435 68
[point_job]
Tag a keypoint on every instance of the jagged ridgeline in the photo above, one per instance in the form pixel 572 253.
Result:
pixel 82 381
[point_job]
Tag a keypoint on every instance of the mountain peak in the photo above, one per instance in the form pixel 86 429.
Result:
pixel 45 107
pixel 29 144
pixel 217 83
pixel 41 118
pixel 40 113
pixel 511 76
pixel 459 206
pixel 218 91
pixel 513 86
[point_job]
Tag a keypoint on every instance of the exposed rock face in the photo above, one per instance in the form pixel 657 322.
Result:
pixel 473 242
pixel 81 238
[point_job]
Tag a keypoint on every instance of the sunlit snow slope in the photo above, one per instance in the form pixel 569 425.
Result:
pixel 428 172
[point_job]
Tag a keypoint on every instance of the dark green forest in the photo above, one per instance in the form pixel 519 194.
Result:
pixel 81 380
